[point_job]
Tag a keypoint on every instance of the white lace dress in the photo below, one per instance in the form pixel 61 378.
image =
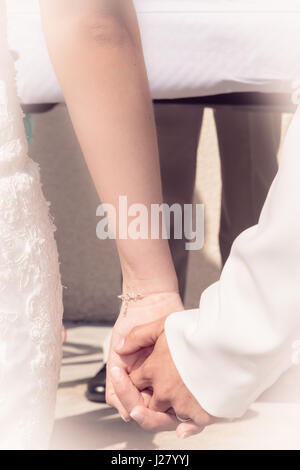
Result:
pixel 30 286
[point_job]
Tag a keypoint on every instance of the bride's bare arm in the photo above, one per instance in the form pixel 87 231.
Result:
pixel 96 51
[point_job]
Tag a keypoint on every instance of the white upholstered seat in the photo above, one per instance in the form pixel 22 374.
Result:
pixel 192 47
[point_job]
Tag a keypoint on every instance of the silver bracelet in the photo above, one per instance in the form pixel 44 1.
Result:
pixel 129 297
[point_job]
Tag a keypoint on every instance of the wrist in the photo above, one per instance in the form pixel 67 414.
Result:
pixel 153 285
pixel 151 304
pixel 149 275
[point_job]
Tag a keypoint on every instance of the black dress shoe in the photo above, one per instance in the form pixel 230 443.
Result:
pixel 96 387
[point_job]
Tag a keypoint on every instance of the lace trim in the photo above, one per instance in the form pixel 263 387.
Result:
pixel 30 286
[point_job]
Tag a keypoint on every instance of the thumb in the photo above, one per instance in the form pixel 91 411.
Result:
pixel 140 337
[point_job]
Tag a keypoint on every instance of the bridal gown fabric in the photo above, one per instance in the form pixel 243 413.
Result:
pixel 30 285
pixel 246 331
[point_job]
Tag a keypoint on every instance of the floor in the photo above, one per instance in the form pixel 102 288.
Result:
pixel 271 423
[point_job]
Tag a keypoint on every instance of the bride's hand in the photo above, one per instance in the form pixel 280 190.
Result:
pixel 145 310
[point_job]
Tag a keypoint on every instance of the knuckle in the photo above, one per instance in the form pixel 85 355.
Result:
pixel 160 403
pixel 109 398
pixel 164 395
pixel 109 401
pixel 147 370
pixel 134 334
pixel 182 412
pixel 165 392
pixel 202 419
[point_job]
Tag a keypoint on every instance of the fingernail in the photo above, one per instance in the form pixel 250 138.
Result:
pixel 116 374
pixel 137 416
pixel 126 420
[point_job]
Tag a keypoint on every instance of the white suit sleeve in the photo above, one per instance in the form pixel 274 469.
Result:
pixel 240 340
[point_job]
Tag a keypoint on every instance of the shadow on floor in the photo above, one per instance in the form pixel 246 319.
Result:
pixel 97 430
pixel 79 350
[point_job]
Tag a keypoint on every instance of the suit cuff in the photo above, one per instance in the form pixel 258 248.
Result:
pixel 216 360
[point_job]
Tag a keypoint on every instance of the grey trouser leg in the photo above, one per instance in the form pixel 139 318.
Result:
pixel 248 141
pixel 178 127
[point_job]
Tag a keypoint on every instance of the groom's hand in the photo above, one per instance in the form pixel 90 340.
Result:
pixel 159 374
pixel 150 308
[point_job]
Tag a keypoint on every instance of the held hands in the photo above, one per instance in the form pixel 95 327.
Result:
pixel 141 312
pixel 152 391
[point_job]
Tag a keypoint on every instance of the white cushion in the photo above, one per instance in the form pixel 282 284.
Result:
pixel 192 47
